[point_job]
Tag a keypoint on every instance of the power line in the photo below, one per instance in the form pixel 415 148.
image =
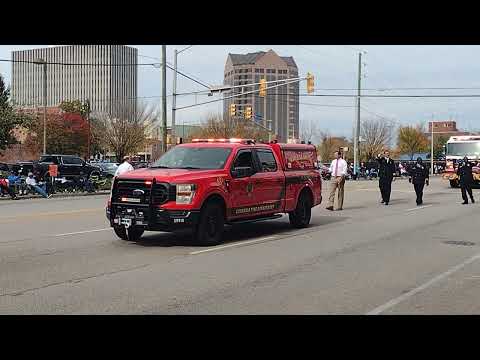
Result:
pixel 74 64
pixel 183 73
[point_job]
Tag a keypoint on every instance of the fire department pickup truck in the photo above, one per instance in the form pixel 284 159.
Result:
pixel 206 184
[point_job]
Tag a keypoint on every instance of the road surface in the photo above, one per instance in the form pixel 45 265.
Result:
pixel 58 256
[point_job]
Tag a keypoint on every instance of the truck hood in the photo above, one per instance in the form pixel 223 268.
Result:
pixel 170 175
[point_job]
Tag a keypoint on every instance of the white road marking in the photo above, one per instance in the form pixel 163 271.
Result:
pixel 233 245
pixel 83 232
pixel 409 294
pixel 419 208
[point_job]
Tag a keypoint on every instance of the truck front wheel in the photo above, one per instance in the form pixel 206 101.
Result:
pixel 300 217
pixel 131 234
pixel 209 230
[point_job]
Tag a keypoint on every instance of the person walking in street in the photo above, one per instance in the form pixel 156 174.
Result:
pixel 30 181
pixel 418 177
pixel 386 170
pixel 338 169
pixel 124 167
pixel 466 180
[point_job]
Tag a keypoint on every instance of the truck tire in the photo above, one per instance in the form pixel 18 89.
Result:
pixel 300 217
pixel 133 233
pixel 209 230
pixel 454 183
pixel 121 232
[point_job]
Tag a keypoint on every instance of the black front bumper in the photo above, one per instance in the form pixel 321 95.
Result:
pixel 153 219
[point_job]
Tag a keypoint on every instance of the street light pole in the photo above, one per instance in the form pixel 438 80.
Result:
pixel 174 92
pixel 431 154
pixel 164 98
pixel 44 64
pixel 357 126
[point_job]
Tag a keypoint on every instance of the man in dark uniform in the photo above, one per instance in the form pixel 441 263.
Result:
pixel 466 179
pixel 418 176
pixel 385 173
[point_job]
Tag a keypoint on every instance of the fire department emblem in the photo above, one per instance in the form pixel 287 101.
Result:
pixel 249 189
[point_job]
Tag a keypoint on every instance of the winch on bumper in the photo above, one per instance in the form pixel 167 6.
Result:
pixel 154 218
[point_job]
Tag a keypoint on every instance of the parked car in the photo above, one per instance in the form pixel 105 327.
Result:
pixel 69 166
pixel 208 183
pixel 108 169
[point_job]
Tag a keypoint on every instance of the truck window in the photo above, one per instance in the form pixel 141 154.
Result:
pixel 266 160
pixel 188 157
pixel 244 159
pixel 49 159
pixel 300 159
pixel 72 161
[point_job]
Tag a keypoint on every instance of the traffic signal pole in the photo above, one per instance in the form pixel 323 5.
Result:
pixel 357 126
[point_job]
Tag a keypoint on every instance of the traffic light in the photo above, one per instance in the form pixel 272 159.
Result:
pixel 248 112
pixel 263 87
pixel 310 83
pixel 233 109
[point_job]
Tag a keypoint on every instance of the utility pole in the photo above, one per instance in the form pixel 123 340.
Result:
pixel 164 98
pixel 357 127
pixel 174 94
pixel 89 128
pixel 44 107
pixel 431 145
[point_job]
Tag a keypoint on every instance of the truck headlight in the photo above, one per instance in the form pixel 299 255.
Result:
pixel 185 193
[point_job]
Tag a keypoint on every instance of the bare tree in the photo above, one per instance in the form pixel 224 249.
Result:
pixel 214 126
pixel 375 135
pixel 127 133
pixel 309 131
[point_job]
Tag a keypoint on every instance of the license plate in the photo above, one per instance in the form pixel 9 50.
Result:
pixel 130 200
pixel 126 222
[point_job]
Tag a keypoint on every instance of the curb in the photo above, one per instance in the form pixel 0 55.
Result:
pixel 55 196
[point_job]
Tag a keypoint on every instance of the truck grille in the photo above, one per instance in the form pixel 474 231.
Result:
pixel 132 189
pixel 163 193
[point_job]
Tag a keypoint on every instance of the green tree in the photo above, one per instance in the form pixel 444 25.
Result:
pixel 75 107
pixel 9 118
pixel 438 144
pixel 411 140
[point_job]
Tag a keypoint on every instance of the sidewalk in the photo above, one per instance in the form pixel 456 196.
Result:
pixel 57 195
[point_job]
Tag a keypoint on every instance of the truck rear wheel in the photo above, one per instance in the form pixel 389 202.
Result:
pixel 209 230
pixel 300 217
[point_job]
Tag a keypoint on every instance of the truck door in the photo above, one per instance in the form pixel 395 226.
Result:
pixel 268 182
pixel 242 199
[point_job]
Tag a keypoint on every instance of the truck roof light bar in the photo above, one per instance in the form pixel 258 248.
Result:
pixel 231 140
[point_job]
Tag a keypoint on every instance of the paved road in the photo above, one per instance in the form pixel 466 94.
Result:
pixel 58 256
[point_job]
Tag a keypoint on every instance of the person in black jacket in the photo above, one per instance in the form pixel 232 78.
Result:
pixel 466 180
pixel 419 176
pixel 385 173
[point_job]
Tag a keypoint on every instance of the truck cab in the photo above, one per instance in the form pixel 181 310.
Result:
pixel 208 183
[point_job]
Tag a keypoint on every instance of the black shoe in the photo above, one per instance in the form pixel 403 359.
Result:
pixel 330 208
pixel 381 202
pixel 386 202
pixel 473 201
pixel 465 203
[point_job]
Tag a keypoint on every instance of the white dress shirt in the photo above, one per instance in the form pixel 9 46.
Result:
pixel 342 167
pixel 123 168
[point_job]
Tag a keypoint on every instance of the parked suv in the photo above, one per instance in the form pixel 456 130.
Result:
pixel 208 183
pixel 69 165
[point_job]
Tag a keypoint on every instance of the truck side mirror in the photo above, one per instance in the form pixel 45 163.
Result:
pixel 242 172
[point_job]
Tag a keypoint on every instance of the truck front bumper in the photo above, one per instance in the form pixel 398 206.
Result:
pixel 153 219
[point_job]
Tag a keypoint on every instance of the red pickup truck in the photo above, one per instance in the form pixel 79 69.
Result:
pixel 206 184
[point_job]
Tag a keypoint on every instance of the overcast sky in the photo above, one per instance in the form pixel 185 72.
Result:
pixel 334 67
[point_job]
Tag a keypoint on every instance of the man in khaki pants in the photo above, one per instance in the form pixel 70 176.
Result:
pixel 338 169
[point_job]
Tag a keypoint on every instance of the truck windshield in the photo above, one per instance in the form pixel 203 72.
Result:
pixel 462 149
pixel 193 158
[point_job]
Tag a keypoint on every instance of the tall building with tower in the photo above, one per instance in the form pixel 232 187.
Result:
pixel 106 75
pixel 279 109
